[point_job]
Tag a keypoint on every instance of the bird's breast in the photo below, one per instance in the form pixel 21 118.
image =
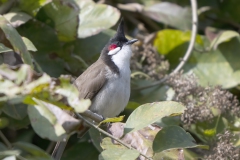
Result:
pixel 114 96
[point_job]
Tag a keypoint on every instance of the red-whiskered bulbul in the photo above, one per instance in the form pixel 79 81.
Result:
pixel 107 81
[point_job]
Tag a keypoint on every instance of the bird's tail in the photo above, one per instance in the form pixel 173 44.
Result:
pixel 61 145
pixel 59 148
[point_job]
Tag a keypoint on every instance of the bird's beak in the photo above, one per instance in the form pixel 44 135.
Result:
pixel 131 41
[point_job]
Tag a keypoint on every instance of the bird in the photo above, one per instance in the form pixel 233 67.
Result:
pixel 107 81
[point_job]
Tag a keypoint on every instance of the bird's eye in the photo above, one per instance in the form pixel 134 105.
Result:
pixel 112 46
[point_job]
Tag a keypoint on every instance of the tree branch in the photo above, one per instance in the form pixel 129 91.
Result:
pixel 188 52
pixel 5 140
pixel 111 136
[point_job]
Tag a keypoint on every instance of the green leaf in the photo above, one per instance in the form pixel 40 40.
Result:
pixel 4 48
pixel 17 18
pixel 63 16
pixel 40 35
pixel 30 46
pixel 167 155
pixel 10 158
pixel 84 49
pixel 96 138
pixel 9 153
pixel 15 40
pixel 170 14
pixel 153 94
pixel 16 124
pixel 3 122
pixel 173 137
pixel 41 116
pixel 223 37
pixel 95 17
pixel 16 111
pixel 114 119
pixel 107 143
pixel 83 150
pixel 119 154
pixel 206 66
pixel 32 6
pixel 168 39
pixel 31 151
pixel 207 131
pixel 230 10
pixel 70 91
pixel 150 113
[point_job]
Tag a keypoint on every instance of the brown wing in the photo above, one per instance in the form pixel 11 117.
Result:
pixel 90 82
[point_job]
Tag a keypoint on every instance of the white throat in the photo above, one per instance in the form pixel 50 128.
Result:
pixel 122 58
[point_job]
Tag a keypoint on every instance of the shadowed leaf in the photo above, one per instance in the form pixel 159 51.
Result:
pixel 173 137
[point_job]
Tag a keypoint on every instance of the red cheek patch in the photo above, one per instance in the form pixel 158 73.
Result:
pixel 112 46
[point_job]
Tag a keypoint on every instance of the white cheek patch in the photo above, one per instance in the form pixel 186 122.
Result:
pixel 114 51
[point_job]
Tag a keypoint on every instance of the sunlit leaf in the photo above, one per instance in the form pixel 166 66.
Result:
pixel 114 119
pixel 17 18
pixel 168 155
pixel 223 37
pixel 10 158
pixel 120 154
pixel 40 116
pixel 6 153
pixel 168 39
pixel 32 6
pixel 30 46
pixel 170 14
pixel 150 113
pixel 63 16
pixel 70 91
pixel 95 17
pixel 207 65
pixel 107 143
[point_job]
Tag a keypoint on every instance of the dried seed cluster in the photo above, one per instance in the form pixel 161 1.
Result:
pixel 223 148
pixel 200 100
pixel 147 60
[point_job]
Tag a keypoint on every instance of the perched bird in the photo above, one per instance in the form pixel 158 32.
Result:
pixel 107 81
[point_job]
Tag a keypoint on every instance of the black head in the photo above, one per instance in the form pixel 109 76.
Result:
pixel 118 40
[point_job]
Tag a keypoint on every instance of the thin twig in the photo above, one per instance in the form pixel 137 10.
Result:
pixel 81 60
pixel 188 52
pixel 50 147
pixel 5 140
pixel 4 8
pixel 109 135
pixel 20 157
pixel 97 118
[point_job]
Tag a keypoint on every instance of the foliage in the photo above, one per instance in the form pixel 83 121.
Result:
pixel 46 44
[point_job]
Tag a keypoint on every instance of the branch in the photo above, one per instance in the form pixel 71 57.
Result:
pixel 5 140
pixel 188 52
pixel 97 118
pixel 109 135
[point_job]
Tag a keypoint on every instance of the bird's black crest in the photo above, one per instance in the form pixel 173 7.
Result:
pixel 119 39
pixel 120 35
